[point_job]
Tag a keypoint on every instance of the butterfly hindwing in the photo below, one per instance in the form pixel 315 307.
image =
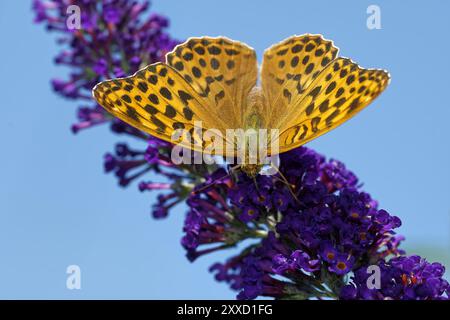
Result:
pixel 220 70
pixel 338 93
pixel 156 100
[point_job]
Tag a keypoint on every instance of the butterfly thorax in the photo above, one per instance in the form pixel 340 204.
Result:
pixel 253 120
pixel 251 170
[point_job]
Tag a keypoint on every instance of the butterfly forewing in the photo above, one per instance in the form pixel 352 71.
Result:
pixel 220 70
pixel 288 68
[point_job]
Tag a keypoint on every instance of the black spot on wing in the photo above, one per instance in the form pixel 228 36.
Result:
pixel 287 95
pixel 153 79
pixel 309 109
pixel 178 125
pixel 126 98
pixel 196 72
pixel 170 111
pixel 305 60
pixel 309 68
pixel 142 86
pixel 161 125
pixel 202 62
pixel 324 106
pixel 188 56
pixel 340 92
pixel 314 92
pixel 330 87
pixel 282 52
pixel 215 64
pixel 179 66
pixel 200 50
pixel 297 48
pixel 163 72
pixel 231 52
pixel 188 114
pixel 325 61
pixel 165 93
pixel 153 98
pixel 214 50
pixel 150 109
pixel 132 113
pixel 309 47
pixel 184 96
pixel 314 123
pixel 219 96
pixel 330 118
pixel 340 102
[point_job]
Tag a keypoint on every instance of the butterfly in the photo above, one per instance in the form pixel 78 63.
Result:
pixel 305 90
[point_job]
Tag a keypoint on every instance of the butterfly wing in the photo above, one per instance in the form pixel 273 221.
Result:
pixel 157 100
pixel 288 68
pixel 220 70
pixel 339 92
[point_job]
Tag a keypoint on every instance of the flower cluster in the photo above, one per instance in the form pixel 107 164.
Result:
pixel 306 232
pixel 316 227
pixel 402 278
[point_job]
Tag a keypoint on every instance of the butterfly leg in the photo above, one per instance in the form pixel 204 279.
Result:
pixel 232 169
pixel 290 186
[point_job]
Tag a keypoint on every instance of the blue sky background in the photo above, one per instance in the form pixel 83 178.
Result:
pixel 58 208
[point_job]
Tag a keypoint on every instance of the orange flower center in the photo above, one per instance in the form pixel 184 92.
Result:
pixel 354 215
pixel 341 265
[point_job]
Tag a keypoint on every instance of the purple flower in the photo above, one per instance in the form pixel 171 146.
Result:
pixel 255 280
pixel 126 164
pixel 328 253
pixel 229 272
pixel 402 278
pixel 336 176
pixel 342 264
pixel 297 260
pixel 249 213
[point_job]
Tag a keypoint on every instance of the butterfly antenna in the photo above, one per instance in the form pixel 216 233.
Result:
pixel 256 184
pixel 289 185
pixel 216 180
